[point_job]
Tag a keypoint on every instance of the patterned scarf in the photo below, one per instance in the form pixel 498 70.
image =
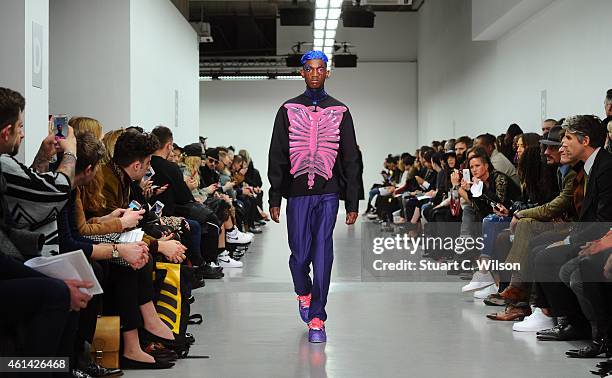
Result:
pixel 316 95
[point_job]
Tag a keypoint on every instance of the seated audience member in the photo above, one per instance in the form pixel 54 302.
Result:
pixel 34 194
pixel 583 140
pixel 462 145
pixel 507 147
pixel 533 223
pixel 548 124
pixel 253 178
pixel 497 188
pixel 498 160
pixel 36 300
pixel 179 201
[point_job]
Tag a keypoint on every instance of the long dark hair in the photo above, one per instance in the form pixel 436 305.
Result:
pixel 537 179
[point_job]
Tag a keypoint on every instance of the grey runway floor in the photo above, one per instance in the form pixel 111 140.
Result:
pixel 251 327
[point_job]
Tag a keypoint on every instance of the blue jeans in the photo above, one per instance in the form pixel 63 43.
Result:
pixel 492 225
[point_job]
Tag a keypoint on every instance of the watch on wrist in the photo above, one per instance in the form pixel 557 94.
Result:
pixel 115 251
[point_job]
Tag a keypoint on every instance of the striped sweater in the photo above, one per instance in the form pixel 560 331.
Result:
pixel 35 199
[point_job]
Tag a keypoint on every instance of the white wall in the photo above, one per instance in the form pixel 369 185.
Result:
pixel 468 87
pixel 16 18
pixel 164 58
pixel 381 97
pixel 89 61
pixel 12 23
pixel 37 99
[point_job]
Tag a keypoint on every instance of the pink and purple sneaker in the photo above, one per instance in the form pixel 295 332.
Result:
pixel 303 306
pixel 316 331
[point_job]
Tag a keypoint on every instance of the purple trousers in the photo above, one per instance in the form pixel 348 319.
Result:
pixel 310 226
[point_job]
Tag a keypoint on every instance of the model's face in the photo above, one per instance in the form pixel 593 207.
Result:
pixel 452 162
pixel 314 73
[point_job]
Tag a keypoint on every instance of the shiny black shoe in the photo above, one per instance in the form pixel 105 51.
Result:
pixel 564 332
pixel 129 364
pixel 207 272
pixel 607 364
pixel 96 370
pixel 594 349
pixel 603 371
pixel 77 373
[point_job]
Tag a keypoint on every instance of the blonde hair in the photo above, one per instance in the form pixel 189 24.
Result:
pixel 193 164
pixel 85 124
pixel 110 139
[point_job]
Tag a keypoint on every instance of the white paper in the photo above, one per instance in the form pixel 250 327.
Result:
pixel 67 266
pixel 135 235
pixel 476 189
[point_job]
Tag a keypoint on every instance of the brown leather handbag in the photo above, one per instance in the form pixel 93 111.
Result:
pixel 105 346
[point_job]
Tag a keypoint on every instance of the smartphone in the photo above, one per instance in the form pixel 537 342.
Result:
pixel 155 187
pixel 149 174
pixel 60 126
pixel 466 174
pixel 134 205
pixel 157 208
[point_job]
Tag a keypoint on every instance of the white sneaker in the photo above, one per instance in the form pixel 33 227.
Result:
pixel 372 216
pixel 225 261
pixel 238 237
pixel 537 321
pixel 213 265
pixel 484 293
pixel 479 281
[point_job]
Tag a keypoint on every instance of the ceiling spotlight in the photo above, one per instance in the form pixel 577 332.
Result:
pixel 330 33
pixel 318 42
pixel 334 13
pixel 332 24
pixel 321 14
pixel 322 3
pixel 335 4
pixel 329 42
pixel 320 24
pixel 319 33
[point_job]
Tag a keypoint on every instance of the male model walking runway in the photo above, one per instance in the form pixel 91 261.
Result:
pixel 313 162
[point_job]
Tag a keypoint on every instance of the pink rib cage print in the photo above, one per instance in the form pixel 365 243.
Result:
pixel 314 139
